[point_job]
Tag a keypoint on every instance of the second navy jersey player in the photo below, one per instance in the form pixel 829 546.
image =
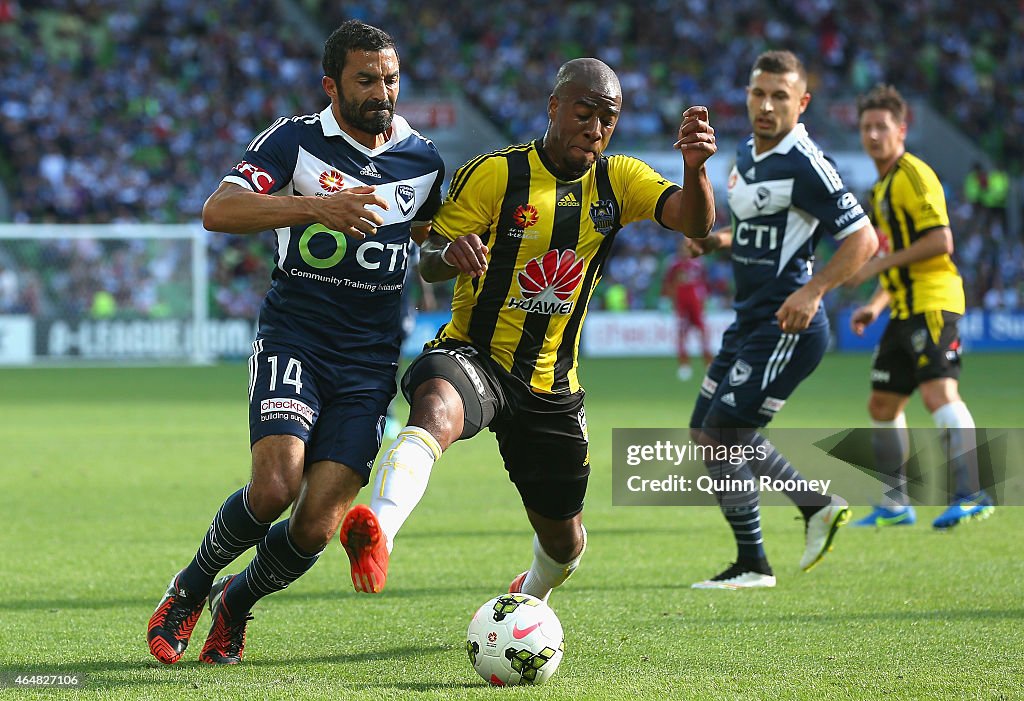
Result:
pixel 782 201
pixel 333 294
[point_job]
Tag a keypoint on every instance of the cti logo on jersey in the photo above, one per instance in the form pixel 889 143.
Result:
pixel 547 282
pixel 332 181
pixel 260 179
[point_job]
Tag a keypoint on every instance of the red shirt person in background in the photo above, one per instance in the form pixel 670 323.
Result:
pixel 685 284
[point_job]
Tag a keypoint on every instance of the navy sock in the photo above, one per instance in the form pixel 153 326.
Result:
pixel 738 498
pixel 234 530
pixel 777 467
pixel 278 563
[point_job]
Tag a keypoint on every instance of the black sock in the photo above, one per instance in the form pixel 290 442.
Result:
pixel 234 530
pixel 278 563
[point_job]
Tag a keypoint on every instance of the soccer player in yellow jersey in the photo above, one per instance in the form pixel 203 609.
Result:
pixel 527 231
pixel 920 348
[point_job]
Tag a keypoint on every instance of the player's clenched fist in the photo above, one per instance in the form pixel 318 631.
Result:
pixel 468 254
pixel 696 137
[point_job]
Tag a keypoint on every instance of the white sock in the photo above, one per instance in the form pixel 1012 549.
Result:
pixel 545 574
pixel 961 444
pixel 896 494
pixel 402 478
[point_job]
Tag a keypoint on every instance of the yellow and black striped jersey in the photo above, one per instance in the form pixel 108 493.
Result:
pixel 905 204
pixel 547 242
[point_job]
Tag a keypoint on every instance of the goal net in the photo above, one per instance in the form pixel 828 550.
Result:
pixel 120 293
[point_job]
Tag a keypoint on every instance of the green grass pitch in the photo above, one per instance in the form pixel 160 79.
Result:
pixel 109 478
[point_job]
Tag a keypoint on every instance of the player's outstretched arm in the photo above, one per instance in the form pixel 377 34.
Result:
pixel 692 209
pixel 716 240
pixel 931 244
pixel 236 210
pixel 441 259
pixel 796 312
pixel 864 316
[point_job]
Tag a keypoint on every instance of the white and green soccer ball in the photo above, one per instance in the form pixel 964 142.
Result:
pixel 515 639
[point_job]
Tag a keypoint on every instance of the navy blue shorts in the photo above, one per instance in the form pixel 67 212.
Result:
pixel 338 410
pixel 756 370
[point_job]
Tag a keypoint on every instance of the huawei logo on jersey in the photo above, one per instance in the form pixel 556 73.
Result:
pixel 525 216
pixel 548 282
pixel 332 181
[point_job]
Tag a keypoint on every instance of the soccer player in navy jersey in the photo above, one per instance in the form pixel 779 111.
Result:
pixel 346 191
pixel 784 193
pixel 526 232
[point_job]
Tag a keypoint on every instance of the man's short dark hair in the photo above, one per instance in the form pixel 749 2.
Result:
pixel 352 35
pixel 883 97
pixel 780 62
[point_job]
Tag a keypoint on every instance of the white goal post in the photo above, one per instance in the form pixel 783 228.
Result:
pixel 117 293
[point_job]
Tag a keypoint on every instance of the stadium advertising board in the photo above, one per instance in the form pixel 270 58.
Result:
pixel 980 330
pixel 16 339
pixel 139 339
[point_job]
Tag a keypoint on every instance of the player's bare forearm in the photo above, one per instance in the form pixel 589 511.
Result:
pixel 691 210
pixel 879 300
pixel 722 238
pixel 934 243
pixel 432 268
pixel 233 209
pixel 855 250
pixel 441 259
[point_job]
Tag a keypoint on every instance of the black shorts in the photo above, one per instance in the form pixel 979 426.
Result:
pixel 917 349
pixel 542 437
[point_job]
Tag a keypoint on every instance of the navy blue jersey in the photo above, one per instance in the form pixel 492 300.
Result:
pixel 782 201
pixel 331 294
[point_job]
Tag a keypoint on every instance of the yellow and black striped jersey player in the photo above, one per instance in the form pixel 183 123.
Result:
pixel 920 347
pixel 527 230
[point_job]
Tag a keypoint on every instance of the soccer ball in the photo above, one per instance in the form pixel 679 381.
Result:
pixel 515 639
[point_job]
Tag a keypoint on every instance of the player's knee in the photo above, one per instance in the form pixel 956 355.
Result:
pixel 882 408
pixel 719 428
pixel 269 497
pixel 938 393
pixel 437 408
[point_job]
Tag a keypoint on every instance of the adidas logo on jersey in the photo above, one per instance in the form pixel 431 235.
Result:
pixel 370 171
pixel 568 201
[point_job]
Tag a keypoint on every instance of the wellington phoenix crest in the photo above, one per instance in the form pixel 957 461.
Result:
pixel 548 282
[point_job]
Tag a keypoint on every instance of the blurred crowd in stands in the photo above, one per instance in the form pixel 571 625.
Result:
pixel 132 112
